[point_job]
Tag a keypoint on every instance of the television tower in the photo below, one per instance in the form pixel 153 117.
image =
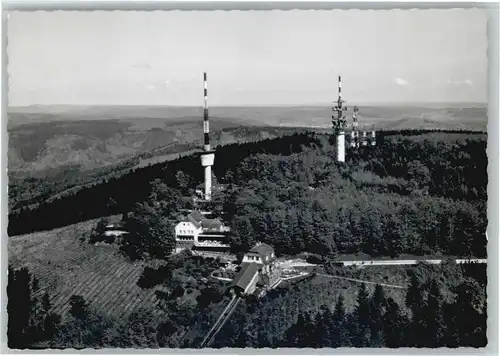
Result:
pixel 207 156
pixel 338 121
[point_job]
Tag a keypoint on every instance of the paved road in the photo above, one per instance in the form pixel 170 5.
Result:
pixel 293 263
pixel 406 262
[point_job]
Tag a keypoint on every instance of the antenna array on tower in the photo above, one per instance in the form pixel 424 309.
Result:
pixel 339 123
pixel 339 111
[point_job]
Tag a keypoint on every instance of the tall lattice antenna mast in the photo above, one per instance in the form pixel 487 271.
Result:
pixel 339 121
pixel 339 111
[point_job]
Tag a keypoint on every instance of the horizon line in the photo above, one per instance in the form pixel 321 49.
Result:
pixel 319 104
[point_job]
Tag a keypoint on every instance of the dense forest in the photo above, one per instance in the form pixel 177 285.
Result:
pixel 107 198
pixel 28 189
pixel 426 320
pixel 378 204
pixel 188 304
pixel 409 195
pixel 444 305
pixel 423 192
pixel 416 192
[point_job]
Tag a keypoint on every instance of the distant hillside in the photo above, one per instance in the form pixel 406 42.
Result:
pixel 44 138
pixel 67 169
pixel 164 114
pixel 468 116
pixel 96 143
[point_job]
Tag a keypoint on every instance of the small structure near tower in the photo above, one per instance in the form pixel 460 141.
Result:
pixel 373 137
pixel 364 138
pixel 207 156
pixel 354 143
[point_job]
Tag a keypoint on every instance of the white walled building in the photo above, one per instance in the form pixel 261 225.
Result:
pixel 187 230
pixel 198 231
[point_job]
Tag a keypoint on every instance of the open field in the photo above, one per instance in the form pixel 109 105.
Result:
pixel 66 266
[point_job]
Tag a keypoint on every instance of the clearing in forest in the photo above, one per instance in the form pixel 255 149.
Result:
pixel 66 264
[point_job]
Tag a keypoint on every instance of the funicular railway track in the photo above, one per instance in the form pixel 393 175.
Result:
pixel 223 318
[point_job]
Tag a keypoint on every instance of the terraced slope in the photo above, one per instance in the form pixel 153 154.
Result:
pixel 66 266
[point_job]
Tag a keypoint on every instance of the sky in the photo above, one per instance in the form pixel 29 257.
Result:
pixel 251 57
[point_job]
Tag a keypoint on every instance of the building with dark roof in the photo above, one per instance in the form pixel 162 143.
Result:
pixel 246 280
pixel 195 217
pixel 258 268
pixel 212 225
pixel 261 253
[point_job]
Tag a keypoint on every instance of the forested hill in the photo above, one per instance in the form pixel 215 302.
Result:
pixel 420 194
pixel 118 195
pixel 418 189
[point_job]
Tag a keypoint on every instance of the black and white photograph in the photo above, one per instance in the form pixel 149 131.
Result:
pixel 247 179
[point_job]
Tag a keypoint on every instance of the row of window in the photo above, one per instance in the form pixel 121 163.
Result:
pixel 257 258
pixel 184 232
